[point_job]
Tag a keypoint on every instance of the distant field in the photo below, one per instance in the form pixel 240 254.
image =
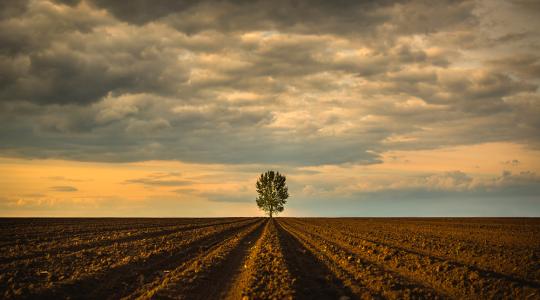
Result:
pixel 304 258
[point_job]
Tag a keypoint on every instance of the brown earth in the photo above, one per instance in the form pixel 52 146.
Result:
pixel 258 258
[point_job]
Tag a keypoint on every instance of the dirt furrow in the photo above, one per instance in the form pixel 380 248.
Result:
pixel 522 271
pixel 453 278
pixel 78 245
pixel 47 229
pixel 345 275
pixel 299 258
pixel 265 274
pixel 313 279
pixel 191 279
pixel 385 282
pixel 513 254
pixel 114 267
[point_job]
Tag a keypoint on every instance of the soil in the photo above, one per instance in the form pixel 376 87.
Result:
pixel 261 258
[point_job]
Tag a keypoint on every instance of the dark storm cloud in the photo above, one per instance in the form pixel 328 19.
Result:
pixel 318 17
pixel 12 8
pixel 138 12
pixel 301 83
pixel 243 15
pixel 64 56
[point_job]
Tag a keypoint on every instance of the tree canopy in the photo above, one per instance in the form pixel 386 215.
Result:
pixel 273 192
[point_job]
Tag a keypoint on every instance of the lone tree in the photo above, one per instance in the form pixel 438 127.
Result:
pixel 273 192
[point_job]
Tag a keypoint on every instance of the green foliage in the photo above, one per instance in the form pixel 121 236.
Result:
pixel 273 192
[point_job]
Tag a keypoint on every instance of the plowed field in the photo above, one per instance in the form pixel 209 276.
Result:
pixel 259 258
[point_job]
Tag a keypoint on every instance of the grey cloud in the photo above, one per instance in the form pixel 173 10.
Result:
pixel 12 8
pixel 509 180
pixel 523 65
pixel 517 197
pixel 330 85
pixel 55 58
pixel 63 188
pixel 240 15
pixel 284 169
pixel 527 4
pixel 139 12
pixel 340 17
pixel 457 181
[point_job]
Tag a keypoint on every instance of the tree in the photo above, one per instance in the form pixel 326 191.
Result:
pixel 273 192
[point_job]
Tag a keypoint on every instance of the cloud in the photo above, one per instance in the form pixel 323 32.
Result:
pixel 158 182
pixel 163 179
pixel 62 178
pixel 231 198
pixel 154 182
pixel 458 181
pixel 513 162
pixel 335 183
pixel 260 83
pixel 57 55
pixel 63 188
pixel 454 193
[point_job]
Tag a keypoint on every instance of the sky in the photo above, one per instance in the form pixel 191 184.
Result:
pixel 173 108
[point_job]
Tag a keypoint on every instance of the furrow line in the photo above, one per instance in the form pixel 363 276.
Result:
pixel 518 259
pixel 189 280
pixel 313 278
pixel 377 276
pixel 265 273
pixel 106 242
pixel 455 279
pixel 35 231
pixel 55 235
pixel 141 263
pixel 356 283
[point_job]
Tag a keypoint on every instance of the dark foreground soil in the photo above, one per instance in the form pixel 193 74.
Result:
pixel 258 258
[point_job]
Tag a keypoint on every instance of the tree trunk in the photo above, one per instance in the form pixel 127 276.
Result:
pixel 270 214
